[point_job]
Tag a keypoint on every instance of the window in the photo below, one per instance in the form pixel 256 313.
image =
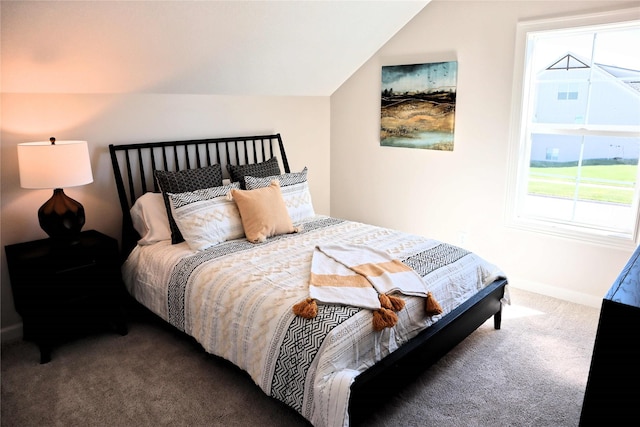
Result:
pixel 567 90
pixel 576 132
pixel 552 154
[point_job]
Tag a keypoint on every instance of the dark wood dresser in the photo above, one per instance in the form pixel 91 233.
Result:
pixel 612 396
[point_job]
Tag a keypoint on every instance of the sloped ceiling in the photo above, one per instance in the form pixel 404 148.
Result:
pixel 290 48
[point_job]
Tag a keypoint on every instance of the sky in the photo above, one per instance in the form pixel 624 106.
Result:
pixel 620 48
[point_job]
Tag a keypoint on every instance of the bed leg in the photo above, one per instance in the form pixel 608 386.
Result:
pixel 497 319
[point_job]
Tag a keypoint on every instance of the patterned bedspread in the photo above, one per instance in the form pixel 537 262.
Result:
pixel 236 300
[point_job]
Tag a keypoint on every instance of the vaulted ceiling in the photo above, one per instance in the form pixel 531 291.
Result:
pixel 297 48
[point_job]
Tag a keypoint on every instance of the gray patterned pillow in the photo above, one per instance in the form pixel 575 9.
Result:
pixel 267 168
pixel 286 179
pixel 295 192
pixel 183 181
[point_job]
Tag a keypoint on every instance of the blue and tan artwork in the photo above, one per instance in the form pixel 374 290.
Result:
pixel 418 105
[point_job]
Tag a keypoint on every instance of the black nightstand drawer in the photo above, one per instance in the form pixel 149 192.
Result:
pixel 60 289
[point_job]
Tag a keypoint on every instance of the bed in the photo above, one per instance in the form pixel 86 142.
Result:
pixel 192 256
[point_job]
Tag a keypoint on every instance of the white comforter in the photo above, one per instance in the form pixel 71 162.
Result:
pixel 236 300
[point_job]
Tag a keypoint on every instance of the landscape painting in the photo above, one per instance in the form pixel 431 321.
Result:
pixel 418 105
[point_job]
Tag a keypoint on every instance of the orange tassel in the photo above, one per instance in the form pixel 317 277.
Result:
pixel 385 302
pixel 432 306
pixel 307 308
pixel 396 302
pixel 384 318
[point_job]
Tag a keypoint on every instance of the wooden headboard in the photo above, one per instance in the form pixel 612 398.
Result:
pixel 133 165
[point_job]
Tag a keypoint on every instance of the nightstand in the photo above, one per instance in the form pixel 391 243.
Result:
pixel 63 290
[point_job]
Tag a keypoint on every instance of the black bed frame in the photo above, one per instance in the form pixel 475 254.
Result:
pixel 133 166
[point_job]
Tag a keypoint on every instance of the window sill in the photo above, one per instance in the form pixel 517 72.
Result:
pixel 597 237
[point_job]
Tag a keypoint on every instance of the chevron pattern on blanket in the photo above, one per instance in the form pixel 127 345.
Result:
pixel 301 343
pixel 432 259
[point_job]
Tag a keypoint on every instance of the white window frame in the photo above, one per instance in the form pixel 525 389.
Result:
pixel 518 147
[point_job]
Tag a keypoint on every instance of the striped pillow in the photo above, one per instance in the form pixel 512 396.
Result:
pixel 295 192
pixel 206 217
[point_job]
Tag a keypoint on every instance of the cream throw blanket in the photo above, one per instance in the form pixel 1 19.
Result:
pixel 365 277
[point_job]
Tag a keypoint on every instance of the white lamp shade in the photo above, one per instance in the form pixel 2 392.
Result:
pixel 59 165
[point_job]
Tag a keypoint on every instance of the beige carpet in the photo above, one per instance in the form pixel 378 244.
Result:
pixel 532 372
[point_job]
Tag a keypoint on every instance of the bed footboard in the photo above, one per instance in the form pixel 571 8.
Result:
pixel 393 372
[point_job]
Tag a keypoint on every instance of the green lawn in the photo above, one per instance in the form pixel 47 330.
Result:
pixel 606 183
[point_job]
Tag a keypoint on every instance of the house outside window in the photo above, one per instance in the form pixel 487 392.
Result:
pixel 576 132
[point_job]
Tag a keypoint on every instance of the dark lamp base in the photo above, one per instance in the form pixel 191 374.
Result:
pixel 61 217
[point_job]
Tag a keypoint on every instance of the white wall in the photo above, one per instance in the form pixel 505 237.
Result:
pixel 149 76
pixel 102 119
pixel 446 194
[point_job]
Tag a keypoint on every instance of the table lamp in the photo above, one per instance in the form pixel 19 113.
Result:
pixel 56 164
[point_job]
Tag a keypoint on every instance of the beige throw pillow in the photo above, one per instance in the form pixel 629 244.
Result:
pixel 263 212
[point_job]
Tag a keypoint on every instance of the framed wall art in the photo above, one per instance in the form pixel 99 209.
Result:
pixel 418 105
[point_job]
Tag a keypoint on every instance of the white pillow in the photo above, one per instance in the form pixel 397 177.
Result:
pixel 295 192
pixel 149 216
pixel 206 217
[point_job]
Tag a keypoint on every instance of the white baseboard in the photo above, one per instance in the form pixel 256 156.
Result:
pixel 11 333
pixel 556 292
